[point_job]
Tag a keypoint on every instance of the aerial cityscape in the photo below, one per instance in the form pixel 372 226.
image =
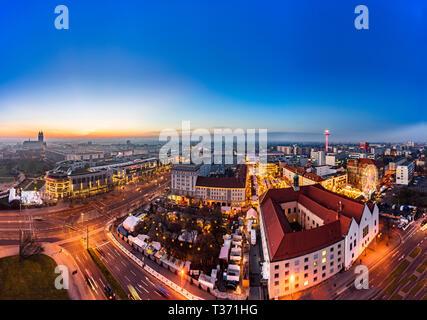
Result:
pixel 166 154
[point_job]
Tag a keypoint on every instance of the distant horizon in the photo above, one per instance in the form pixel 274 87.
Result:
pixel 282 66
pixel 154 139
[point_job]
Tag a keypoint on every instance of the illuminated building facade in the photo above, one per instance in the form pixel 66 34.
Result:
pixel 75 180
pixel 224 191
pixel 187 183
pixel 330 182
pixel 57 186
pixel 309 234
pixel 183 179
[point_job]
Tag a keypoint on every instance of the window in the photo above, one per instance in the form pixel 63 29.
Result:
pixel 306 283
pixel 286 281
pixel 323 260
pixel 315 263
pixel 355 242
pixel 295 209
pixel 332 249
pixel 339 259
pixel 315 279
pixel 305 275
pixel 324 267
pixel 339 252
pixel 332 256
pixel 331 271
pixel 315 256
pixel 305 267
pixel 276 283
pixel 323 252
pixel 296 286
pixel 331 264
pixel 315 271
pixel 351 246
pixel 365 231
pixel 323 275
pixel 305 259
pixel 286 273
pixel 286 288
pixel 276 267
pixel 276 275
pixel 339 246
pixel 287 265
pixel 296 262
pixel 289 210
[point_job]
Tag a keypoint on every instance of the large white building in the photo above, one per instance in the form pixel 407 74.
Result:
pixel 405 172
pixel 309 234
pixel 184 178
pixel 318 158
pixel 187 181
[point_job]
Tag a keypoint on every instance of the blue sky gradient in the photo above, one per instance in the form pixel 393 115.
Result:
pixel 293 67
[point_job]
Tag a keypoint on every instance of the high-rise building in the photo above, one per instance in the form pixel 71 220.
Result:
pixel 405 173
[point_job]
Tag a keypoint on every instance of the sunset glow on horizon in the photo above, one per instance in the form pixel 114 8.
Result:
pixel 158 65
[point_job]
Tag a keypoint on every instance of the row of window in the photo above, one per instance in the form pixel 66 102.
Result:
pixel 315 257
pixel 296 279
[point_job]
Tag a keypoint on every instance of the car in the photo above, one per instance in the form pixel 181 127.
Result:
pixel 231 285
pixel 401 225
pixel 109 292
pixel 162 291
pixel 90 281
pixel 100 252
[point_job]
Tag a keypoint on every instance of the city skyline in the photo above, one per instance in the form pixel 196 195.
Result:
pixel 120 74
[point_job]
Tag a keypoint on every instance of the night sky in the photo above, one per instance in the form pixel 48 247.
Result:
pixel 132 68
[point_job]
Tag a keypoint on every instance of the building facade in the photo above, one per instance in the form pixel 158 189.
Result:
pixel 225 191
pixel 405 173
pixel 183 179
pixel 309 234
pixel 330 182
pixel 76 180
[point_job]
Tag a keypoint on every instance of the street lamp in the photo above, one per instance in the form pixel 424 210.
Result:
pixel 82 225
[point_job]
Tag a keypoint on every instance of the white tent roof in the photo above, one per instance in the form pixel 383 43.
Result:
pixel 251 214
pixel 224 252
pixel 26 197
pixel 156 245
pixel 130 223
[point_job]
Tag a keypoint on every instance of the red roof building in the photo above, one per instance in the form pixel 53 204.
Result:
pixel 309 227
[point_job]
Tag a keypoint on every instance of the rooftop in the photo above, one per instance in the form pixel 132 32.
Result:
pixel 238 181
pixel 336 211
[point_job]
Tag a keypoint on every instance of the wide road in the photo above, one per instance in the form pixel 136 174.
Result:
pixel 410 238
pixel 65 224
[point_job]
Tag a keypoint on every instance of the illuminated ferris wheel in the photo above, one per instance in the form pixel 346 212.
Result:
pixel 369 180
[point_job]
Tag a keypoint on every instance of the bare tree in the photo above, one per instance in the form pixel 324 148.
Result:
pixel 29 246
